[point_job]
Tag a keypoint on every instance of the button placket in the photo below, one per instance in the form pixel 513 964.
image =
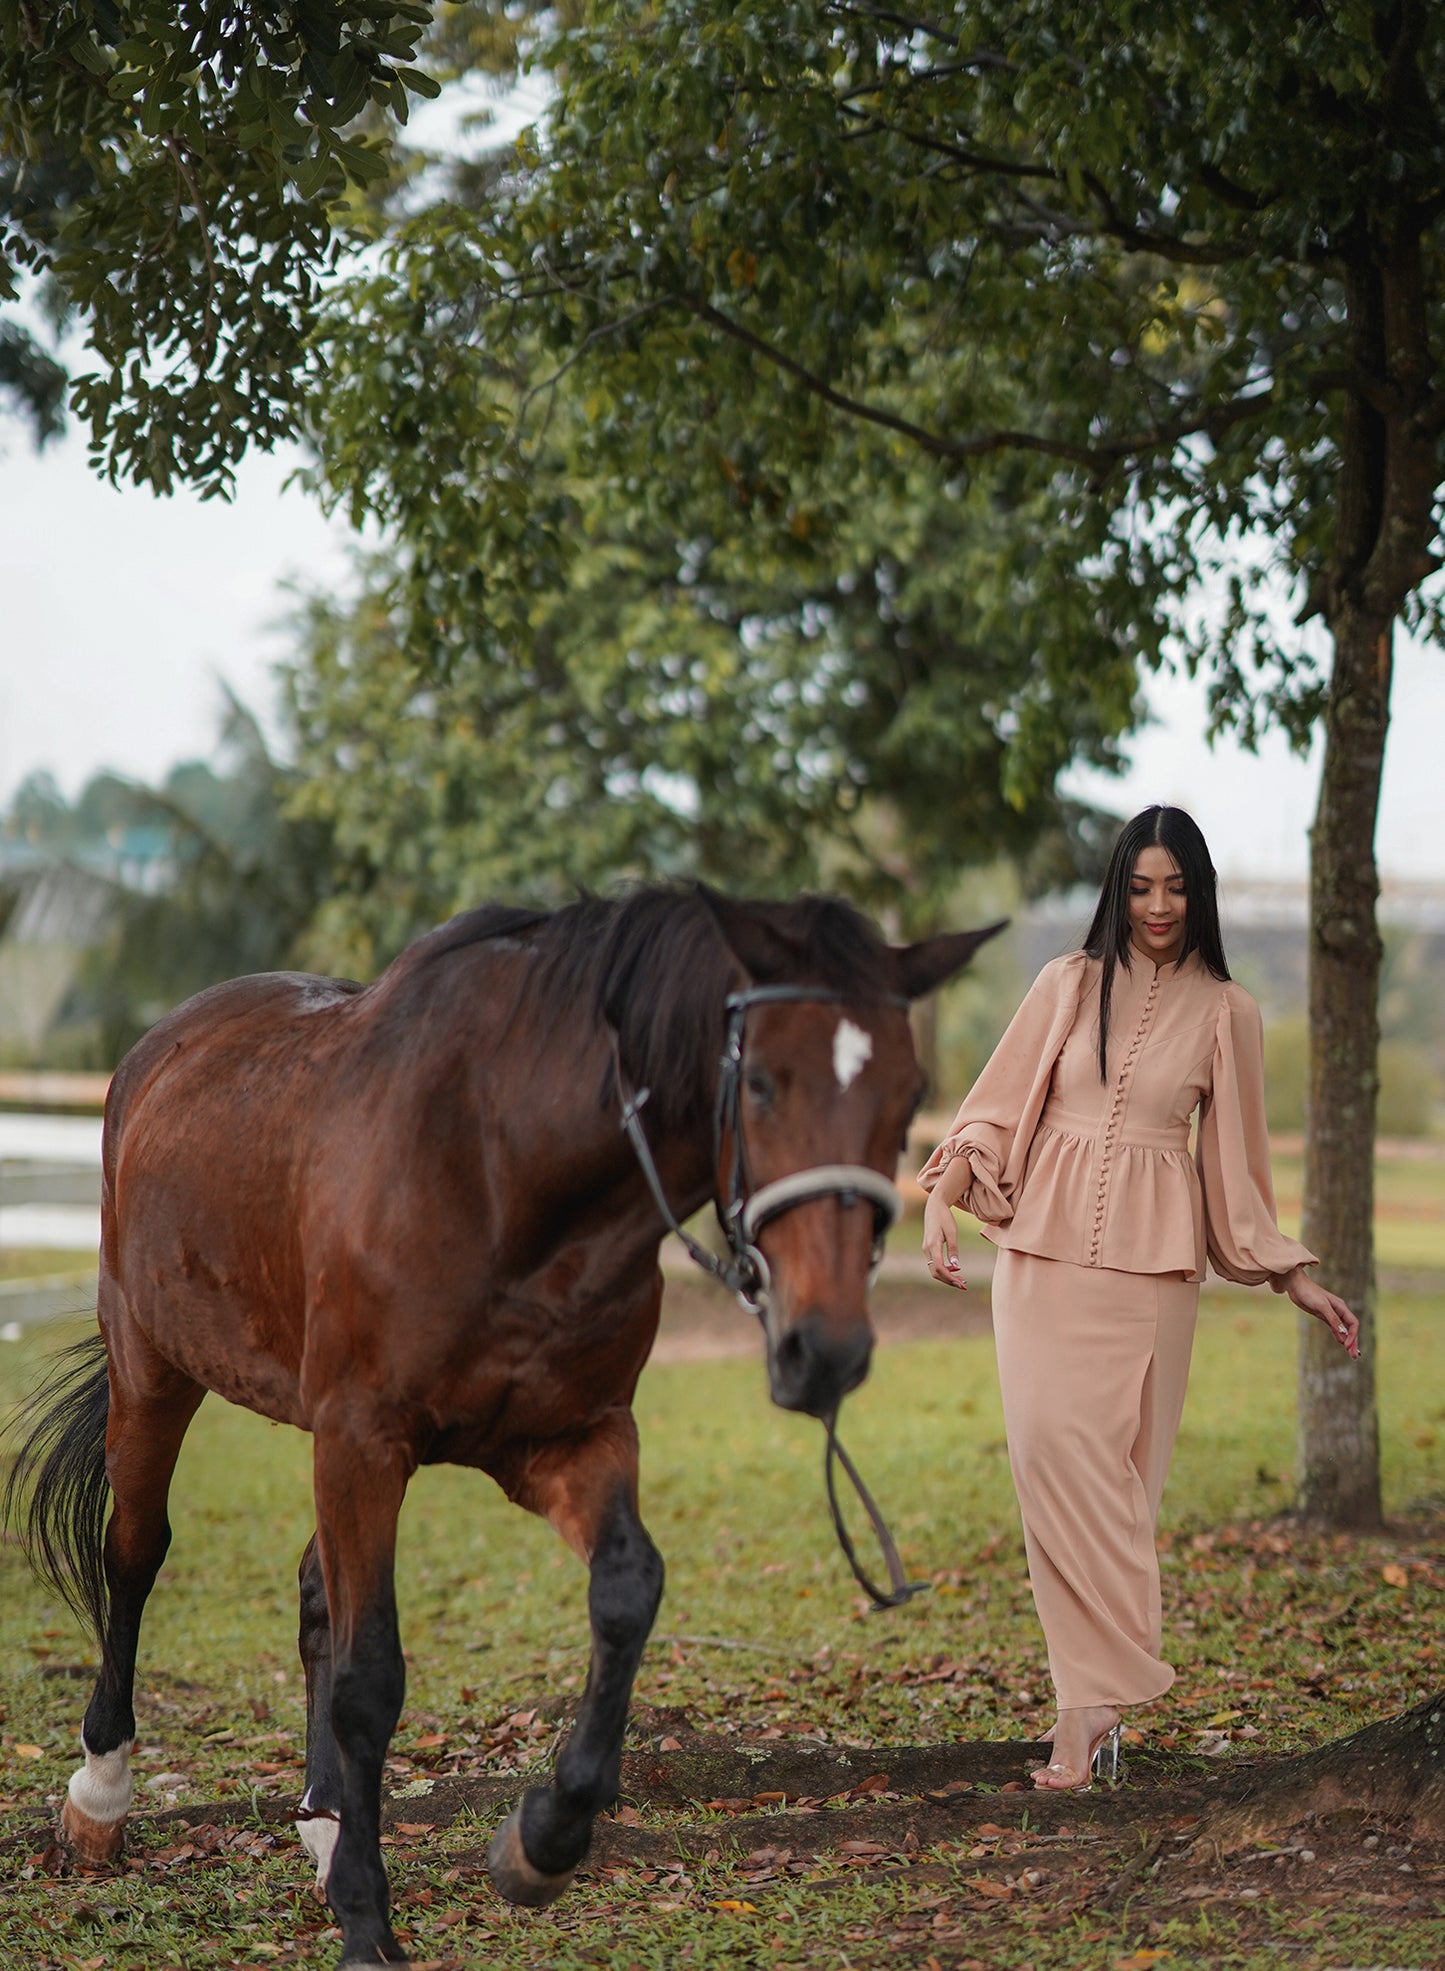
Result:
pixel 1114 1120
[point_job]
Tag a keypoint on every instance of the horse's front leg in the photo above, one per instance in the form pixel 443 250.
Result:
pixel 360 1479
pixel 588 1489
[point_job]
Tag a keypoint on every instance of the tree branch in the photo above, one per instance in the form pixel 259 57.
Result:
pixel 909 23
pixel 1213 422
pixel 1165 246
pixel 973 160
pixel 1225 189
pixel 599 334
pixel 212 326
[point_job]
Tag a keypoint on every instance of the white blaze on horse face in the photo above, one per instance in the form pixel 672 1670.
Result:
pixel 852 1048
pixel 101 1788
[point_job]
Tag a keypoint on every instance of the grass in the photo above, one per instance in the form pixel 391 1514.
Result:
pixel 1281 1640
pixel 1409 1209
pixel 44 1262
pixel 732 1492
pixel 1409 1213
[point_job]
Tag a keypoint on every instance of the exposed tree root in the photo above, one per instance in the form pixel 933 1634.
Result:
pixel 1396 1769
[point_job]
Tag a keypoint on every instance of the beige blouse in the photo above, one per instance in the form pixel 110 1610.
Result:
pixel 1100 1173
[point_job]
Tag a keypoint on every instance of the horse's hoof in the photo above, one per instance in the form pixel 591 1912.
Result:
pixel 92 1843
pixel 514 1877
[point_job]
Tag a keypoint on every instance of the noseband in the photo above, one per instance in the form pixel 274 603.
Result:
pixel 742 1214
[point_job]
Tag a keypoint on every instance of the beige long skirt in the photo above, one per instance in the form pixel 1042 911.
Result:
pixel 1093 1366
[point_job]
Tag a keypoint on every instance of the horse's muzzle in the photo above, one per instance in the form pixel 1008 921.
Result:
pixel 815 1362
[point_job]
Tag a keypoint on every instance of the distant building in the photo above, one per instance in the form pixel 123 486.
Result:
pixel 57 913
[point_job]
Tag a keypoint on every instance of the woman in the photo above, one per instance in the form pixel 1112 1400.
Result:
pixel 1072 1150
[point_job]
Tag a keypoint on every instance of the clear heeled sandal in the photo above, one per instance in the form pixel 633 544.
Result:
pixel 1105 1763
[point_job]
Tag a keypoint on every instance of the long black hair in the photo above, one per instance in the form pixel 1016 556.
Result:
pixel 1178 834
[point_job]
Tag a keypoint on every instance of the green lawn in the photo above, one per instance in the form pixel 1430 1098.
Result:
pixel 1409 1213
pixel 732 1492
pixel 43 1262
pixel 1281 1640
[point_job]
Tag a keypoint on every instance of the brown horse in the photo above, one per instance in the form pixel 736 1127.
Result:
pixel 406 1218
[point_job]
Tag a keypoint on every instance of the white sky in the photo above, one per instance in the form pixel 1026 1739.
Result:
pixel 121 613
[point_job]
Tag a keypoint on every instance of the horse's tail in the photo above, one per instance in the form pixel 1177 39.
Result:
pixel 57 1491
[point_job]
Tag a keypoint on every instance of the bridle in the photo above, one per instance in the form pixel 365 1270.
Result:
pixel 743 1212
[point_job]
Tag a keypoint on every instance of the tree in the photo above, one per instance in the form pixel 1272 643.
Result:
pixel 240 880
pixel 175 168
pixel 1179 266
pixel 1174 270
pixel 872 683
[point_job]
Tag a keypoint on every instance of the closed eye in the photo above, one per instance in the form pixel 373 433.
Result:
pixel 759 1084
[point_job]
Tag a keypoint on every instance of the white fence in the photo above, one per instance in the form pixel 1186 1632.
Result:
pixel 49 1198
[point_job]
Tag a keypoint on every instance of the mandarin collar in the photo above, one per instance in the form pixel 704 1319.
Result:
pixel 1142 971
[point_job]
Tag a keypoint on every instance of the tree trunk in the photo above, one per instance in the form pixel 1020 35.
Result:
pixel 1339 1458
pixel 1396 1768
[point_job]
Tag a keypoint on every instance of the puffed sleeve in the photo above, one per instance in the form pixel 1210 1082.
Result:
pixel 1244 1240
pixel 1008 1094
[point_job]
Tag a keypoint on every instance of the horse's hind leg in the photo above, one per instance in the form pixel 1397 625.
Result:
pixel 151 1407
pixel 361 1477
pixel 588 1490
pixel 320 1815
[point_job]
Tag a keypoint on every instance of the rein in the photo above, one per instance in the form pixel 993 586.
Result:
pixel 742 1214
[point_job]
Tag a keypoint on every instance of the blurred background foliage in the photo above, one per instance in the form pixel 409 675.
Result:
pixel 241 863
pixel 646 602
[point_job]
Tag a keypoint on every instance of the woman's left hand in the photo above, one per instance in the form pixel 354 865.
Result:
pixel 1342 1322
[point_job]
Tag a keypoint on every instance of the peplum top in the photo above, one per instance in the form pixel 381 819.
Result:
pixel 1070 1167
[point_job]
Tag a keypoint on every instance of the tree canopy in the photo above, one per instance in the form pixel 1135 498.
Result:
pixel 1157 281
pixel 869 701
pixel 1175 271
pixel 177 169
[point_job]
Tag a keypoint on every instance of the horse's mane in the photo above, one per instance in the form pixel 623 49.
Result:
pixel 656 965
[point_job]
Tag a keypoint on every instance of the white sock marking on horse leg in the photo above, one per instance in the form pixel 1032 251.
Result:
pixel 101 1788
pixel 318 1838
pixel 851 1049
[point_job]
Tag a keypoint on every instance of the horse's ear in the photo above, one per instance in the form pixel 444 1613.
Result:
pixel 764 951
pixel 923 967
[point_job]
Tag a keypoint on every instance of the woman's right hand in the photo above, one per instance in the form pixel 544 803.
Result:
pixel 940 1242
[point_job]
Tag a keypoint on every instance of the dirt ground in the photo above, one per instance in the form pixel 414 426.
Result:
pixel 958 1825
